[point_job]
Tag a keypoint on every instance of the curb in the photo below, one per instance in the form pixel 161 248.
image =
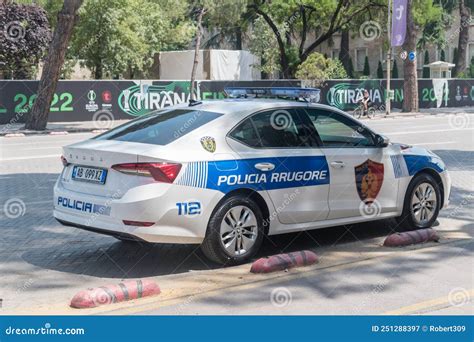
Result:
pixel 110 294
pixel 284 261
pixel 411 238
pixel 50 132
pixel 14 135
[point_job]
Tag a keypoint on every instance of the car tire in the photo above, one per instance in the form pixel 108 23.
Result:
pixel 235 231
pixel 416 215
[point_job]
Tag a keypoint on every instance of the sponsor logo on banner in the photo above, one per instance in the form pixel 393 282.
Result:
pixel 142 98
pixel 345 95
pixel 92 106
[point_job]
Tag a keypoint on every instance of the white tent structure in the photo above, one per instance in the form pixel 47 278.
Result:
pixel 440 69
pixel 237 65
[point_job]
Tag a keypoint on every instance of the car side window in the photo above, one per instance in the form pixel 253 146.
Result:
pixel 279 128
pixel 246 134
pixel 335 130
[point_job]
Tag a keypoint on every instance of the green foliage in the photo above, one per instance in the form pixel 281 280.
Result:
pixel 114 37
pixel 395 70
pixel 432 20
pixel 366 71
pixel 24 37
pixel 262 43
pixel 318 69
pixel 426 61
pixel 380 70
pixel 442 56
pixel 315 21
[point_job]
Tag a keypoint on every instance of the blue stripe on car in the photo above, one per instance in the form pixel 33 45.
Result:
pixel 417 163
pixel 228 175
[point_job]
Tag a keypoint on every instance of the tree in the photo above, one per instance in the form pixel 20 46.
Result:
pixel 350 71
pixel 312 19
pixel 116 37
pixel 24 37
pixel 366 71
pixel 455 55
pixel 262 43
pixel 442 56
pixel 395 70
pixel 344 51
pixel 200 13
pixel 465 15
pixel 220 11
pixel 380 71
pixel 67 17
pixel 426 61
pixel 410 85
pixel 318 69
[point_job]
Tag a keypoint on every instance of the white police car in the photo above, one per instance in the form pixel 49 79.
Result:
pixel 224 173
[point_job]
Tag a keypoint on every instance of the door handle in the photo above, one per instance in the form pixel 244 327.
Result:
pixel 337 164
pixel 264 166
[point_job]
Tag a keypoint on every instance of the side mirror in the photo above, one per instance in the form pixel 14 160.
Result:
pixel 382 141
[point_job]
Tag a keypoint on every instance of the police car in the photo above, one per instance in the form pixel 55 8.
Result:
pixel 225 173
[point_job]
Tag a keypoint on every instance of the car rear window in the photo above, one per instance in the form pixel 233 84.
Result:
pixel 160 128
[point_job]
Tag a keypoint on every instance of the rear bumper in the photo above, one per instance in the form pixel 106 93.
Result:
pixel 154 234
pixel 148 203
pixel 99 231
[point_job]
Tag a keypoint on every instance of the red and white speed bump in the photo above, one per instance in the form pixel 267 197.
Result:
pixel 411 238
pixel 284 261
pixel 116 293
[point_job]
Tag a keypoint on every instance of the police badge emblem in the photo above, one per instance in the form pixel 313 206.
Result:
pixel 369 179
pixel 209 144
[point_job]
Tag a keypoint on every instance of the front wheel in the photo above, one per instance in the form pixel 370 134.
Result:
pixel 235 231
pixel 422 203
pixel 357 113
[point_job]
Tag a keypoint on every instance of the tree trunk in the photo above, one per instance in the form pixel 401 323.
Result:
pixel 410 85
pixel 344 53
pixel 465 14
pixel 196 51
pixel 67 17
pixel 238 38
pixel 98 71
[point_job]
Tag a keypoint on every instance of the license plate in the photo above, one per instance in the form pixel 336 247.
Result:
pixel 89 174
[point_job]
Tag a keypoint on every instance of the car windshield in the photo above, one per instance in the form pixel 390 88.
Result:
pixel 160 128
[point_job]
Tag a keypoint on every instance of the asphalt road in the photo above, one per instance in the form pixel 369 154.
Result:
pixel 43 264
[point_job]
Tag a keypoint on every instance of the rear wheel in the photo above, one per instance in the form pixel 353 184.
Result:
pixel 235 231
pixel 371 112
pixel 422 203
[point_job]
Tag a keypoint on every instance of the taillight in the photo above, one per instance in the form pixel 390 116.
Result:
pixel 64 161
pixel 161 172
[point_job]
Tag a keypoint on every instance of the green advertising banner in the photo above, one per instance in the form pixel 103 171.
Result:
pixel 86 100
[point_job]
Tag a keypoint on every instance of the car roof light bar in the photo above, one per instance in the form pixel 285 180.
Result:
pixel 307 94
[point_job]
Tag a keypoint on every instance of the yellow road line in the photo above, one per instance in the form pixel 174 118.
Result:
pixel 440 302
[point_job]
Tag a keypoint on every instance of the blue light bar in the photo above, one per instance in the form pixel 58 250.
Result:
pixel 308 94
